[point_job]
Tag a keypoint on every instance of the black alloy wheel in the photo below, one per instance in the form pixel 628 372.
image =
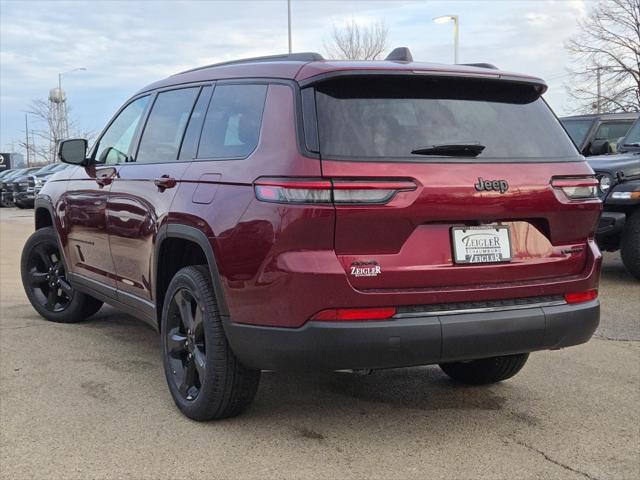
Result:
pixel 205 378
pixel 46 278
pixel 185 344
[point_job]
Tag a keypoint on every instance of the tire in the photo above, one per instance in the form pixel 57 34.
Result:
pixel 21 205
pixel 206 380
pixel 485 370
pixel 43 273
pixel 630 244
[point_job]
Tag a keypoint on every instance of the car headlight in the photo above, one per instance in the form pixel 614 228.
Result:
pixel 605 183
pixel 39 182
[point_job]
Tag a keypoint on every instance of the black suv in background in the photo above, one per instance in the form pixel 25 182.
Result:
pixel 8 185
pixel 598 134
pixel 26 187
pixel 619 177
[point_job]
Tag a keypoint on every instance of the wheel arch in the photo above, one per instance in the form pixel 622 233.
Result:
pixel 184 233
pixel 43 214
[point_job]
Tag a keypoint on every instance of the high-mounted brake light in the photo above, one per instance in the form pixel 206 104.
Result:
pixel 577 188
pixel 580 297
pixel 347 192
pixel 352 314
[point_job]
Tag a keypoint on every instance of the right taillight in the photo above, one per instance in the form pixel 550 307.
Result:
pixel 577 188
pixel 343 191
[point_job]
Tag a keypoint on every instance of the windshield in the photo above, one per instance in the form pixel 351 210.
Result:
pixel 577 129
pixel 391 117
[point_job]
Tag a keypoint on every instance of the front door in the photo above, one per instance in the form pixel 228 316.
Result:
pixel 85 201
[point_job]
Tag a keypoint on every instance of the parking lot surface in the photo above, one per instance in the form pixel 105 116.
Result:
pixel 90 401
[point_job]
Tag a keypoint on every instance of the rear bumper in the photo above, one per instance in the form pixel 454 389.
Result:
pixel 419 340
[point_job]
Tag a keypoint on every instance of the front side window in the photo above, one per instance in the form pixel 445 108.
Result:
pixel 232 125
pixel 163 132
pixel 417 119
pixel 114 145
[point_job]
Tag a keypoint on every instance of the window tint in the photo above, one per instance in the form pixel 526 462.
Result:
pixel 162 134
pixel 113 146
pixel 191 136
pixel 232 126
pixel 386 118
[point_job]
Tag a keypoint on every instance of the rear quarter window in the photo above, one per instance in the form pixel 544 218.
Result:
pixel 385 118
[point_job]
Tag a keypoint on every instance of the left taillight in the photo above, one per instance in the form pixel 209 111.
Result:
pixel 343 191
pixel 577 188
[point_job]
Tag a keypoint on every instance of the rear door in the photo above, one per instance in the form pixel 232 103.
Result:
pixel 401 217
pixel 145 186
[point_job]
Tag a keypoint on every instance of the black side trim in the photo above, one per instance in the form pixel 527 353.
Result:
pixel 129 304
pixel 196 236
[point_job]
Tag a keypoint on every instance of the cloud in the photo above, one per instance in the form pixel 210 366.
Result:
pixel 127 44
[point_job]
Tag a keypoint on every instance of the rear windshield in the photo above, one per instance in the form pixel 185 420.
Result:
pixel 385 118
pixel 577 129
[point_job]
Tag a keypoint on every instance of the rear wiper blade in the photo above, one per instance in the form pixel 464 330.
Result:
pixel 451 150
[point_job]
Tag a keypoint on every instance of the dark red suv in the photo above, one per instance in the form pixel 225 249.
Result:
pixel 294 213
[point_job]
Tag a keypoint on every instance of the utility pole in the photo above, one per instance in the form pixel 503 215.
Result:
pixel 26 133
pixel 289 22
pixel 599 90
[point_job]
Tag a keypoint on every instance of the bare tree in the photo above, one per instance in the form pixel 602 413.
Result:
pixel 44 139
pixel 354 42
pixel 605 53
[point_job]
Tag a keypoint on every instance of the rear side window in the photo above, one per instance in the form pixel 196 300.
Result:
pixel 232 125
pixel 385 118
pixel 166 124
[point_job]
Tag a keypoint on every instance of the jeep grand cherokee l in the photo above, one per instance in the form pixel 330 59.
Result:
pixel 295 213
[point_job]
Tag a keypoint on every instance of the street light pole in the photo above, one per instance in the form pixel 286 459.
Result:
pixel 289 22
pixel 456 32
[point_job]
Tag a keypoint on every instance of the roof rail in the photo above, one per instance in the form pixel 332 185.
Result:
pixel 481 65
pixel 400 54
pixel 290 57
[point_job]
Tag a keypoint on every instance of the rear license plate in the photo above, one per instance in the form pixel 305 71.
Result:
pixel 484 244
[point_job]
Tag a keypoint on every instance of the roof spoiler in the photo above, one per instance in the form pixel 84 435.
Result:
pixel 400 54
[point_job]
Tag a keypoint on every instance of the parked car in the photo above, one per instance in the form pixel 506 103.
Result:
pixel 8 185
pixel 296 213
pixel 619 177
pixel 28 186
pixel 598 134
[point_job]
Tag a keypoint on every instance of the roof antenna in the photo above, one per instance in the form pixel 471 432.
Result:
pixel 400 54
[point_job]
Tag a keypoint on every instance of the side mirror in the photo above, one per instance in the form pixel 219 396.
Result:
pixel 73 151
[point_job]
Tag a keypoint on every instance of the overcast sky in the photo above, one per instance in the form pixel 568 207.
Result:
pixel 126 44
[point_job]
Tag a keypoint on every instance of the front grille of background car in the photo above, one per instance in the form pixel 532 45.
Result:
pixel 444 308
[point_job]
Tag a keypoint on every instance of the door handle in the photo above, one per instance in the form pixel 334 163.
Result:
pixel 164 182
pixel 104 181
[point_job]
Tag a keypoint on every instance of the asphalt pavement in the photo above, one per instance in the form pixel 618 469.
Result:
pixel 90 401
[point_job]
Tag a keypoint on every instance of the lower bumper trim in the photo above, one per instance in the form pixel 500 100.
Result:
pixel 405 342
